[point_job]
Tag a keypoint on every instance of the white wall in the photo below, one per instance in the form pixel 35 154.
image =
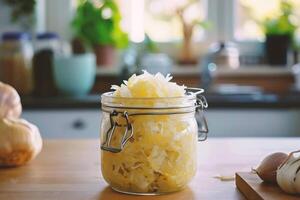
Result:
pixel 41 15
pixel 5 24
pixel 59 14
pixel 51 15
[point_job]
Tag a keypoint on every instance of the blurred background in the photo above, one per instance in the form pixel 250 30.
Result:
pixel 62 54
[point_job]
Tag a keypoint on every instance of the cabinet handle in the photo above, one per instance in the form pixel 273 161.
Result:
pixel 78 124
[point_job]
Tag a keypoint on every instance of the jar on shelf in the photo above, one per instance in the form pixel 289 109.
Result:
pixel 149 145
pixel 47 45
pixel 16 61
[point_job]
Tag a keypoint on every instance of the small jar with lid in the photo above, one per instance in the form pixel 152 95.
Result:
pixel 16 54
pixel 47 45
pixel 149 145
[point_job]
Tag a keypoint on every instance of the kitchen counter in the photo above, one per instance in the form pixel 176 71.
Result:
pixel 70 169
pixel 215 100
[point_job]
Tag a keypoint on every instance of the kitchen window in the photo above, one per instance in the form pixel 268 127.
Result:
pixel 158 19
pixel 229 19
pixel 250 13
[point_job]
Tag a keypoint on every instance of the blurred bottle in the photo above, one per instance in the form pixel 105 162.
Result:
pixel 152 60
pixel 296 73
pixel 16 53
pixel 128 64
pixel 46 46
pixel 220 56
pixel 156 62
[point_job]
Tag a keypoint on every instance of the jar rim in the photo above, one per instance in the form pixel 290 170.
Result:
pixel 190 93
pixel 188 100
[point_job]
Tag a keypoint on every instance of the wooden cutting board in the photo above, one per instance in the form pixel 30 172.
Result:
pixel 253 188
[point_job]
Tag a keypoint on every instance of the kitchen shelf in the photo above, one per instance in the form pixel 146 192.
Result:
pixel 258 70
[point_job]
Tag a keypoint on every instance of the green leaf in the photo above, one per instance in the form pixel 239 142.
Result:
pixel 204 24
pixel 150 44
pixel 90 25
pixel 282 25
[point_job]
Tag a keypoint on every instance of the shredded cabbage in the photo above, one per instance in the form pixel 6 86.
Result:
pixel 161 155
pixel 148 85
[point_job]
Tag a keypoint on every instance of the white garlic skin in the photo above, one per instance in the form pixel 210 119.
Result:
pixel 10 103
pixel 20 142
pixel 288 175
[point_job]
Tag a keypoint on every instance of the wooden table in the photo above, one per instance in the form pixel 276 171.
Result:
pixel 70 169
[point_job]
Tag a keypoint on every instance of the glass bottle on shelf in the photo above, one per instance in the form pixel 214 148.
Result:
pixel 46 46
pixel 16 54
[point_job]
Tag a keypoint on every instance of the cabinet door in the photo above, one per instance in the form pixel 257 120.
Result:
pixel 253 122
pixel 85 123
pixel 66 123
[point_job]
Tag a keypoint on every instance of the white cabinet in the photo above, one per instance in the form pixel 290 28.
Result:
pixel 85 123
pixel 253 122
pixel 81 123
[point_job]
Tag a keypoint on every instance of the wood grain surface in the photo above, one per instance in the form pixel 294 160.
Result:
pixel 70 169
pixel 254 189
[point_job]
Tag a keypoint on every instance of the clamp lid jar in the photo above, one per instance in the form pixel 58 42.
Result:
pixel 149 145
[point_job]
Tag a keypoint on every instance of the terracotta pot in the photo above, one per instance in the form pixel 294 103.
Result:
pixel 105 55
pixel 277 47
pixel 186 55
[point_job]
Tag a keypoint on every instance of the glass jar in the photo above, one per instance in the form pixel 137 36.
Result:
pixel 16 61
pixel 47 45
pixel 149 145
pixel 48 40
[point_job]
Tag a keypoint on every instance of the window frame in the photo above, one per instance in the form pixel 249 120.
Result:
pixel 221 13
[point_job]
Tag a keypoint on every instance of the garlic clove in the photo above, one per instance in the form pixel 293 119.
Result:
pixel 297 180
pixel 286 175
pixel 20 142
pixel 10 103
pixel 283 177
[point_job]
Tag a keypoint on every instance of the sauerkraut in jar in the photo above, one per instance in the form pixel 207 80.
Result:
pixel 149 135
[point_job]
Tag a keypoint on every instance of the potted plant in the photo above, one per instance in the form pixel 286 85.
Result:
pixel 188 26
pixel 98 26
pixel 188 15
pixel 279 33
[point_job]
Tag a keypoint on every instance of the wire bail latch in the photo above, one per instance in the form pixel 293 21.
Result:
pixel 106 145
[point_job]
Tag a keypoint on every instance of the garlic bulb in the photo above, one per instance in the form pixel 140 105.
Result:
pixel 267 169
pixel 20 142
pixel 10 104
pixel 288 174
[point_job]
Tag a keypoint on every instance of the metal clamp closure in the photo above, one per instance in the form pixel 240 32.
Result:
pixel 201 104
pixel 106 145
